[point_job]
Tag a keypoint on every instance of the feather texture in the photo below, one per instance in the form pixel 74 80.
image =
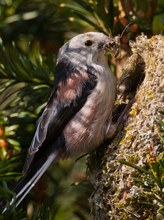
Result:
pixel 67 99
pixel 78 112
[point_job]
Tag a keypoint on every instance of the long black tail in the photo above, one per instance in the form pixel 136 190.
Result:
pixel 27 182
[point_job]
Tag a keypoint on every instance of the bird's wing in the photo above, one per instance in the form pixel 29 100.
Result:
pixel 67 99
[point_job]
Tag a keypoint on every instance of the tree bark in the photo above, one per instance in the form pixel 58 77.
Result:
pixel 128 174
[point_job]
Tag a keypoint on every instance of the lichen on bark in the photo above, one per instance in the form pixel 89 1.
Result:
pixel 128 174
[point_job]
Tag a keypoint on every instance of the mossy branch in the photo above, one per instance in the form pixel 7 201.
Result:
pixel 134 188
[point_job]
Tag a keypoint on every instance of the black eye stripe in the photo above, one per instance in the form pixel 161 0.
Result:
pixel 88 43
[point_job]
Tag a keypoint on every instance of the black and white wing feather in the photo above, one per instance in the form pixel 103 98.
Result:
pixel 67 99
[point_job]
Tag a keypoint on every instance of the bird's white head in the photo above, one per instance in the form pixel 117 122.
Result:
pixel 86 48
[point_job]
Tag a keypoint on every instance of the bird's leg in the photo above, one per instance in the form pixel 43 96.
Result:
pixel 111 131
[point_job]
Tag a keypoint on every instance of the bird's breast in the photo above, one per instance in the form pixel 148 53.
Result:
pixel 86 130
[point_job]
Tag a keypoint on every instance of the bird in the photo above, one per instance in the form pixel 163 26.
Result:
pixel 78 114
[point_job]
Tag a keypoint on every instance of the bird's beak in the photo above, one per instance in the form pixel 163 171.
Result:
pixel 113 45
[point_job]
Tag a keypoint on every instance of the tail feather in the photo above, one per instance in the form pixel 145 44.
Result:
pixel 27 182
pixel 30 184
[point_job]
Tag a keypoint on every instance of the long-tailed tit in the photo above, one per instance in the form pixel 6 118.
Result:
pixel 78 115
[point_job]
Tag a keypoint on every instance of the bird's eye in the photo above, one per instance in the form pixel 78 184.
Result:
pixel 88 43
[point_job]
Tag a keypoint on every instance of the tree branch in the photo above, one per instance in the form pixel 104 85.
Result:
pixel 122 191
